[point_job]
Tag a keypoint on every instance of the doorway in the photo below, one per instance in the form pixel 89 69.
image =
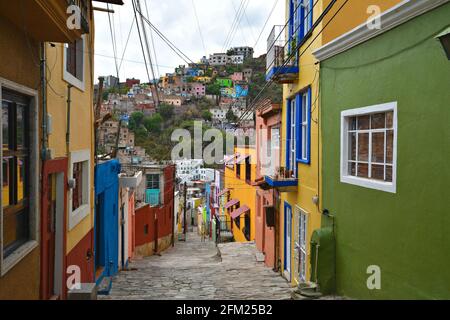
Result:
pixel 287 240
pixel 53 227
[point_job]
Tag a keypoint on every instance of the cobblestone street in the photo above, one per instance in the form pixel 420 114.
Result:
pixel 195 270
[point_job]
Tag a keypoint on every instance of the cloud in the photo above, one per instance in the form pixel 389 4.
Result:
pixel 176 20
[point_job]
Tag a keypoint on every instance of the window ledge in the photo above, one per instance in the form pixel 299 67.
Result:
pixel 370 184
pixel 17 256
pixel 78 215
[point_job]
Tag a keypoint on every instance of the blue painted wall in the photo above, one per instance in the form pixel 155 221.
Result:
pixel 106 205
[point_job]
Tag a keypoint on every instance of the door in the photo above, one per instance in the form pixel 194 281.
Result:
pixel 122 236
pixel 53 213
pixel 300 252
pixel 287 240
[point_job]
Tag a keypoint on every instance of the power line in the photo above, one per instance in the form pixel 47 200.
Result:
pixel 253 106
pixel 138 5
pixel 170 44
pixel 236 17
pixel 199 28
pixel 265 24
pixel 238 23
pixel 152 40
pixel 113 40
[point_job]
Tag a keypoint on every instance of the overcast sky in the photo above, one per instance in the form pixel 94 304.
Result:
pixel 176 20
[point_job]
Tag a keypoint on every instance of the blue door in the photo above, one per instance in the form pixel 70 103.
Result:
pixel 287 240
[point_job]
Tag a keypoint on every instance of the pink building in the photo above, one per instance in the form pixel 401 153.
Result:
pixel 237 76
pixel 268 126
pixel 198 89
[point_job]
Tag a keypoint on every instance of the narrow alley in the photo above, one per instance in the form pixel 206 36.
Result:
pixel 196 270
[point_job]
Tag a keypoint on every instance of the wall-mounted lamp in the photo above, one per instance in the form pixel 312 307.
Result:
pixel 444 38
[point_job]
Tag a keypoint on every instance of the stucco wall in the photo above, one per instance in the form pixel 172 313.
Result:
pixel 407 234
pixel 19 56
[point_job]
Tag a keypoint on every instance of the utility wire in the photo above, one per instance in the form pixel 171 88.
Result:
pixel 152 40
pixel 180 53
pixel 138 5
pixel 254 106
pixel 265 24
pixel 236 17
pixel 199 28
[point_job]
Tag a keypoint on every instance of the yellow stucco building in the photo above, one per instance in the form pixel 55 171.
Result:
pixel 291 63
pixel 240 206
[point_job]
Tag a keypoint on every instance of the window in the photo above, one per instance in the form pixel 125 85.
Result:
pixel 19 211
pixel 79 205
pixel 248 170
pixel 303 233
pixel 304 120
pixel 238 170
pixel 368 146
pixel 15 170
pixel 307 14
pixel 153 181
pixel 74 63
pixel 292 137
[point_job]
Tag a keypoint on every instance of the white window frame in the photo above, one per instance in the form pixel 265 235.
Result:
pixel 306 4
pixel 366 182
pixel 67 76
pixel 293 137
pixel 79 214
pixel 6 264
pixel 305 125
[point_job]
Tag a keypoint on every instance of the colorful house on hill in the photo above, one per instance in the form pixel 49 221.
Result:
pixel 290 62
pixel 381 187
pixel 224 82
pixel 240 210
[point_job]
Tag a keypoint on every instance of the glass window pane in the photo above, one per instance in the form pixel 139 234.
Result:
pixel 364 122
pixel 5 121
pixel 363 170
pixel 388 174
pixel 20 127
pixel 21 184
pixel 378 147
pixel 352 169
pixel 378 121
pixel 352 146
pixel 363 147
pixel 378 172
pixel 15 230
pixel 77 192
pixel 389 119
pixel 6 173
pixel 352 123
pixel 389 146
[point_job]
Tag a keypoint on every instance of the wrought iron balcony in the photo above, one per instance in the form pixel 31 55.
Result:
pixel 280 66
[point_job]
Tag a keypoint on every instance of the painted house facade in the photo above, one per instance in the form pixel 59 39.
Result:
pixel 298 178
pixel 240 209
pixel 380 187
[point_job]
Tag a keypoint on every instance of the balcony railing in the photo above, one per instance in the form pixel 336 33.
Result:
pixel 282 180
pixel 280 66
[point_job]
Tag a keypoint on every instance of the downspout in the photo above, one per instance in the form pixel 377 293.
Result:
pixel 43 76
pixel 69 102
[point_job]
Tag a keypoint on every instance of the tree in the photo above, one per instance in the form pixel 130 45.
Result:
pixel 231 117
pixel 135 121
pixel 207 115
pixel 213 89
pixel 153 124
pixel 166 111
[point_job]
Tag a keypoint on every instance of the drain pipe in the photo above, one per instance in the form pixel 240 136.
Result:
pixel 44 151
pixel 69 102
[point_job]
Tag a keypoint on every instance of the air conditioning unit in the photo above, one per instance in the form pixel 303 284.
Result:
pixel 269 212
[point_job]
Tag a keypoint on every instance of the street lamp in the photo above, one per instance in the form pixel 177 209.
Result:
pixel 444 38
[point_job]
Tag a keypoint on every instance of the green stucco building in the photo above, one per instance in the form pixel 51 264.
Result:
pixel 385 124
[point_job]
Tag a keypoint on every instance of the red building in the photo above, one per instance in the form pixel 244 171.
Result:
pixel 268 126
pixel 131 82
